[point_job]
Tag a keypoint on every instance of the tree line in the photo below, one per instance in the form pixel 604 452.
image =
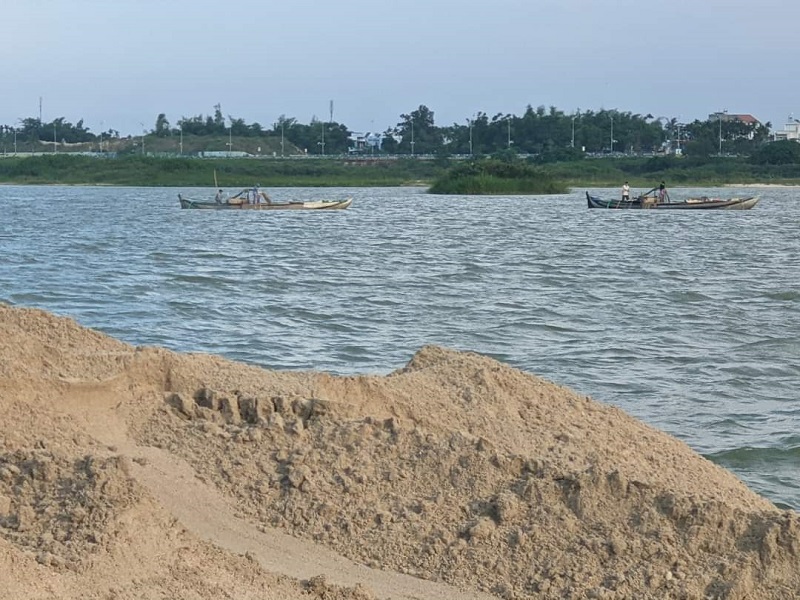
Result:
pixel 551 134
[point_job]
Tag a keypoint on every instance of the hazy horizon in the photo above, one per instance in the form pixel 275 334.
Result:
pixel 118 65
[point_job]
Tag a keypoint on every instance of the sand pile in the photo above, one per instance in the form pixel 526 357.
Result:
pixel 181 475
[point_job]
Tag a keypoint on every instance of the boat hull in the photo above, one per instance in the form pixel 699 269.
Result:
pixel 310 205
pixel 690 204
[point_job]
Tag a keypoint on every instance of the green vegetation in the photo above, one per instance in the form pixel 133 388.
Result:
pixel 784 152
pixel 676 171
pixel 492 176
pixel 537 131
pixel 540 151
pixel 503 174
pixel 191 172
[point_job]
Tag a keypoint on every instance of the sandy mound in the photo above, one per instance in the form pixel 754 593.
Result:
pixel 145 473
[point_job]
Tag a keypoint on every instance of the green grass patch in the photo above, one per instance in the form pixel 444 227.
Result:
pixel 480 176
pixel 195 172
pixel 496 177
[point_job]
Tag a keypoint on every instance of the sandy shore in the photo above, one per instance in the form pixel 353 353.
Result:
pixel 762 185
pixel 142 473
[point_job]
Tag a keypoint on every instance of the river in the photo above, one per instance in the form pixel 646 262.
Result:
pixel 689 321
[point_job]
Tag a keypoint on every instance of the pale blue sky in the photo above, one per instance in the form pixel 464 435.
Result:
pixel 121 62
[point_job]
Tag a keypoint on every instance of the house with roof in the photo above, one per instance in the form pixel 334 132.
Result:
pixel 727 117
pixel 365 142
pixel 744 119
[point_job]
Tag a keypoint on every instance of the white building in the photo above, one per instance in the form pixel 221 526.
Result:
pixel 365 142
pixel 791 131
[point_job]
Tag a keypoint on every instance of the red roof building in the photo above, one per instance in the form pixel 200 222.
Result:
pixel 727 117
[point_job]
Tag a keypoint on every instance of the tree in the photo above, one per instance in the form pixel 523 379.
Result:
pixel 418 127
pixel 219 120
pixel 238 127
pixel 390 145
pixel 784 152
pixel 162 126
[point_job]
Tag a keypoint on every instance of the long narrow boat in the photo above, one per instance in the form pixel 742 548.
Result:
pixel 239 204
pixel 650 202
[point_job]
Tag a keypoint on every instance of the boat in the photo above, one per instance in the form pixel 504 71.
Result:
pixel 264 203
pixel 699 203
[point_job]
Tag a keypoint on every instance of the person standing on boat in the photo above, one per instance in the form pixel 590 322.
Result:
pixel 663 196
pixel 626 192
pixel 218 197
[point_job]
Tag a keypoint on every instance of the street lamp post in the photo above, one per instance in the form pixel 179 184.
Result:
pixel 572 143
pixel 612 134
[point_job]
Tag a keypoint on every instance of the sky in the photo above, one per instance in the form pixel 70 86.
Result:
pixel 117 64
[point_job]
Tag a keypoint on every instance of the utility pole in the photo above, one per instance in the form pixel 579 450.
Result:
pixel 612 134
pixel 572 143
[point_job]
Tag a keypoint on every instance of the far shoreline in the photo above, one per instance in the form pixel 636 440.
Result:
pixel 573 187
pixel 763 185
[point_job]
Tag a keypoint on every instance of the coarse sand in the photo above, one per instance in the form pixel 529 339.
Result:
pixel 130 472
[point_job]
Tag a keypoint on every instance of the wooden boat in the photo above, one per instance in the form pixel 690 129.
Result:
pixel 651 202
pixel 239 203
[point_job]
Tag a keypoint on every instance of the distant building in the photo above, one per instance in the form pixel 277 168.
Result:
pixel 365 142
pixel 727 117
pixel 744 119
pixel 790 131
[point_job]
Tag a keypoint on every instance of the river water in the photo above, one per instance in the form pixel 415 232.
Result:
pixel 689 321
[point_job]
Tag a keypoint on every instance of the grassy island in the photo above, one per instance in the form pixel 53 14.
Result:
pixel 497 177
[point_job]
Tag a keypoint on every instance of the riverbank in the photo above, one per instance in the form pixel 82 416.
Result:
pixel 229 173
pixel 65 169
pixel 764 185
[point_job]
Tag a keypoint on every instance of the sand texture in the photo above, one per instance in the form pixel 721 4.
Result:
pixel 143 473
